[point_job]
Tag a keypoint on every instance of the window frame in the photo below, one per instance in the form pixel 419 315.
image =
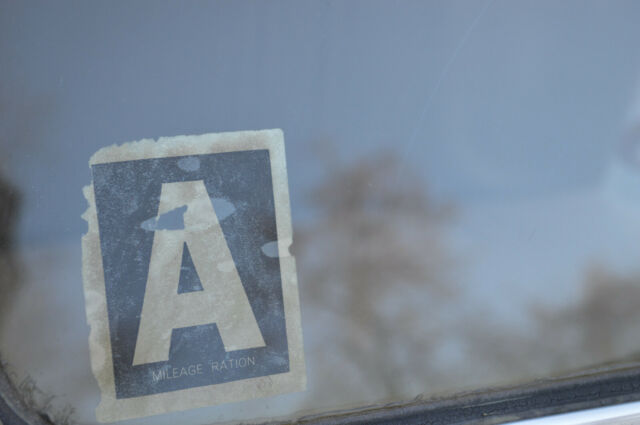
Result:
pixel 592 388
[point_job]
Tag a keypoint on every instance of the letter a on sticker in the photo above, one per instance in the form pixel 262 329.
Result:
pixel 222 299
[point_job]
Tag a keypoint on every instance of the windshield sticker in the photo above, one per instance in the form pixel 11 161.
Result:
pixel 191 292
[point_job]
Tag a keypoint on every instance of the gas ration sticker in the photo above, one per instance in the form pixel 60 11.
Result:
pixel 191 293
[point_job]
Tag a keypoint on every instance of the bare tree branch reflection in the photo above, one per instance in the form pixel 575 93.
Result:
pixel 601 327
pixel 375 245
pixel 376 257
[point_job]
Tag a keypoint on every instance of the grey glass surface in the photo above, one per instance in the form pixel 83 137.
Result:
pixel 464 177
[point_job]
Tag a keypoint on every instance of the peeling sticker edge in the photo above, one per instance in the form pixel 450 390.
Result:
pixel 195 145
